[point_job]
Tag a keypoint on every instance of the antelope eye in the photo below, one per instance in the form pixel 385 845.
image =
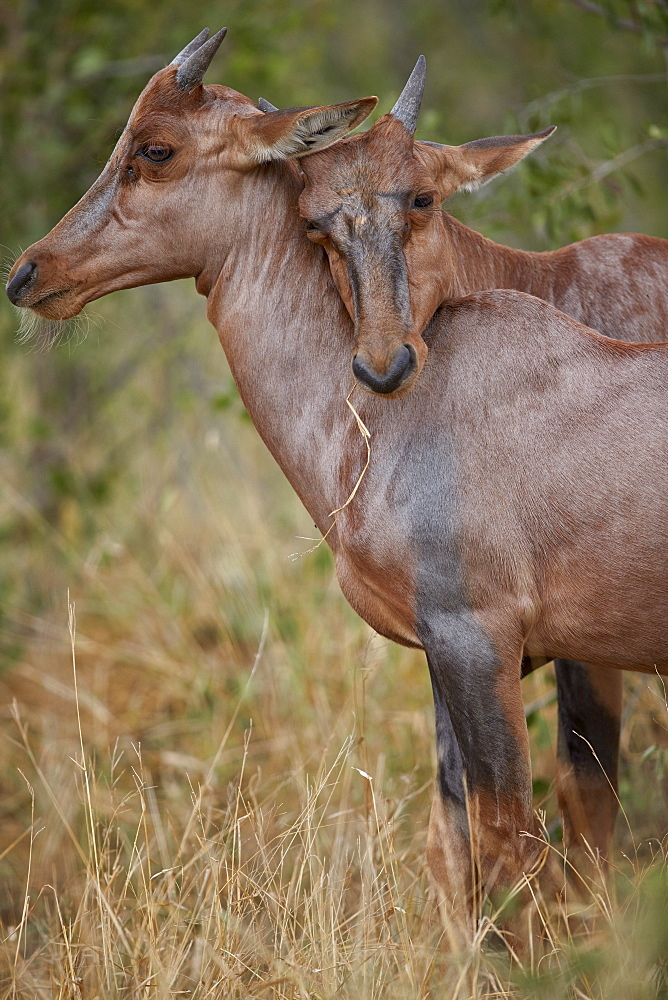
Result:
pixel 156 154
pixel 311 227
pixel 423 201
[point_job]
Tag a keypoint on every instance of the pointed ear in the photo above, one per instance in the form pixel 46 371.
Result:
pixel 295 132
pixel 475 163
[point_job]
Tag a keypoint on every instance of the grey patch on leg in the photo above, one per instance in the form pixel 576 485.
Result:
pixel 462 659
pixel 465 668
pixel 450 767
pixel 587 730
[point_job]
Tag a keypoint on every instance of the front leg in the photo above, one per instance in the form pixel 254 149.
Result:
pixel 483 801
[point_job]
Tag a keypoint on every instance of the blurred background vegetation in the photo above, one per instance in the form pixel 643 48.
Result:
pixel 132 478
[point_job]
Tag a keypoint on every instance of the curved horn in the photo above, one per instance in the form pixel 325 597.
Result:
pixel 407 107
pixel 190 47
pixel 265 105
pixel 192 70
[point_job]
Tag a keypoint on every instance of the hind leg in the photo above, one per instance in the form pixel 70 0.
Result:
pixel 590 705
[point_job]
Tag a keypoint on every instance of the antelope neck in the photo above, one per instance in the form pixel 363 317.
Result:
pixel 478 263
pixel 288 340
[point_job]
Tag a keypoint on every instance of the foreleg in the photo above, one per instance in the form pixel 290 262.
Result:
pixel 483 802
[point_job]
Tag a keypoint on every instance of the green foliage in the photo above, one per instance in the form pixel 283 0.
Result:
pixel 638 972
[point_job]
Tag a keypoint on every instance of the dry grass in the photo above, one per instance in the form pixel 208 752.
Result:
pixel 215 778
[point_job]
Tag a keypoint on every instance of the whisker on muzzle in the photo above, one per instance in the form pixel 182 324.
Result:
pixel 40 334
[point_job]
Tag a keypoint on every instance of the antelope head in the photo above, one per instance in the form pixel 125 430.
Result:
pixel 181 179
pixel 373 202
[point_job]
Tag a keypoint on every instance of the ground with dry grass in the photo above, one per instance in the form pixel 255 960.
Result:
pixel 215 778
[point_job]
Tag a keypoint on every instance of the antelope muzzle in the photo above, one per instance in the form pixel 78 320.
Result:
pixel 390 378
pixel 21 281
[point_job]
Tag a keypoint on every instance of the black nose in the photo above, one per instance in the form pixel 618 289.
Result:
pixel 403 364
pixel 18 284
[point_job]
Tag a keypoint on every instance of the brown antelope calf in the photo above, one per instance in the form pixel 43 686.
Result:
pixel 536 452
pixel 616 283
pixel 420 553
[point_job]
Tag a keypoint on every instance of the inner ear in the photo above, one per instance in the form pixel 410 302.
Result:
pixel 486 158
pixel 475 163
pixel 296 132
pixel 319 130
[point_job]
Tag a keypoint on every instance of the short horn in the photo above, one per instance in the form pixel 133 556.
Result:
pixel 190 48
pixel 191 72
pixel 265 105
pixel 407 107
